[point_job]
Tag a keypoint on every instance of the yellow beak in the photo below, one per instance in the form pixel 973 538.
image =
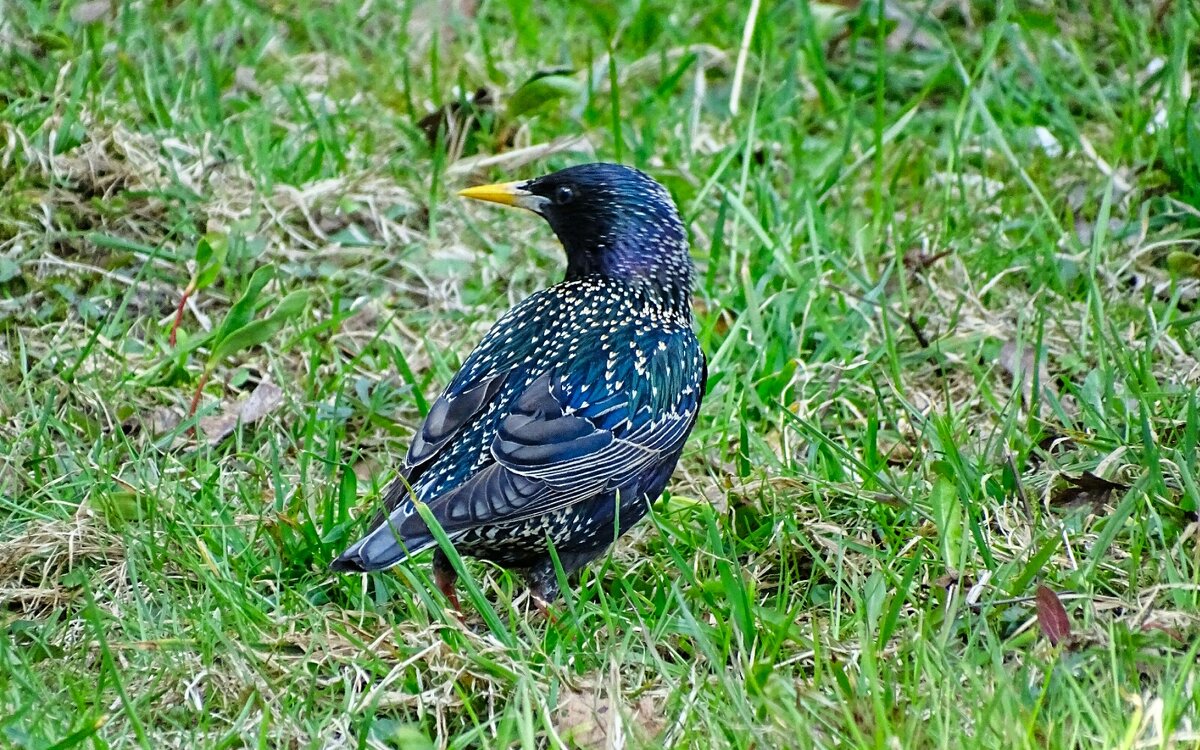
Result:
pixel 506 193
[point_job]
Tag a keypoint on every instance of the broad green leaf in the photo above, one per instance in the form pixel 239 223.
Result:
pixel 259 331
pixel 541 91
pixel 204 252
pixel 8 270
pixel 874 595
pixel 242 311
pixel 1180 263
pixel 187 343
pixel 947 514
pixel 210 259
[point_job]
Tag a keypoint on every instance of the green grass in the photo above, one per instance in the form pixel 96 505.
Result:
pixel 878 483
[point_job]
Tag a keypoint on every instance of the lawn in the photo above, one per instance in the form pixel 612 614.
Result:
pixel 942 493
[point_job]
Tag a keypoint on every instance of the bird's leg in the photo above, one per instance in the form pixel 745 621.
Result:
pixel 444 577
pixel 543 587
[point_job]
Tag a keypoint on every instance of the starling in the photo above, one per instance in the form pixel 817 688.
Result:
pixel 567 420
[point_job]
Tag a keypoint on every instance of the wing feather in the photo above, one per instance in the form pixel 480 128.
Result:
pixel 572 434
pixel 552 452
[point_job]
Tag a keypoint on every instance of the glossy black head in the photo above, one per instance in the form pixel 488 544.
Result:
pixel 612 220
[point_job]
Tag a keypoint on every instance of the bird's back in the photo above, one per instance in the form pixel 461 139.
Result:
pixel 602 341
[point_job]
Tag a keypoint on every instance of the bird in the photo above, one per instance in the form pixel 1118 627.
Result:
pixel 567 420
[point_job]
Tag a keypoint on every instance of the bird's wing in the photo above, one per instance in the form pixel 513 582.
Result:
pixel 484 372
pixel 449 414
pixel 474 389
pixel 574 431
pixel 470 393
pixel 385 544
pixel 572 434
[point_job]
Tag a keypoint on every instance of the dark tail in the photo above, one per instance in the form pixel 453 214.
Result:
pixel 380 549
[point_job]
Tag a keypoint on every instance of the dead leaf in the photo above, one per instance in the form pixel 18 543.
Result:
pixel 591 721
pixel 895 451
pixel 584 720
pixel 1085 229
pixel 456 120
pixel 891 501
pixel 648 719
pixel 91 12
pixel 367 468
pixel 244 79
pixel 155 422
pixel 910 31
pixel 952 578
pixel 1174 633
pixel 263 400
pixel 1044 139
pixel 919 260
pixel 723 316
pixel 1052 616
pixel 1087 488
pixel 1027 370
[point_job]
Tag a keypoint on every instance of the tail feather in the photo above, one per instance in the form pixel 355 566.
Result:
pixel 380 549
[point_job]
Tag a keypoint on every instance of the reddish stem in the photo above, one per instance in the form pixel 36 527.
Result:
pixel 179 311
pixel 196 398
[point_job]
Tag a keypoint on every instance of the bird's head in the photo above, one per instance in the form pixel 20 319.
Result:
pixel 612 220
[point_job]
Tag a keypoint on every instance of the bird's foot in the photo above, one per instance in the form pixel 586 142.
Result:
pixel 544 609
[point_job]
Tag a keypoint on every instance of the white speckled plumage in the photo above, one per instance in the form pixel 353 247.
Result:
pixel 569 417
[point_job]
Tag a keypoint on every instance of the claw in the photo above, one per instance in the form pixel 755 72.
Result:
pixel 543 608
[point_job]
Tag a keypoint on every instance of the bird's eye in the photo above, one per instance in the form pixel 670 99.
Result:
pixel 563 195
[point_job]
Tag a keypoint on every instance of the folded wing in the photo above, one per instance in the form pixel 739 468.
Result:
pixel 571 434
